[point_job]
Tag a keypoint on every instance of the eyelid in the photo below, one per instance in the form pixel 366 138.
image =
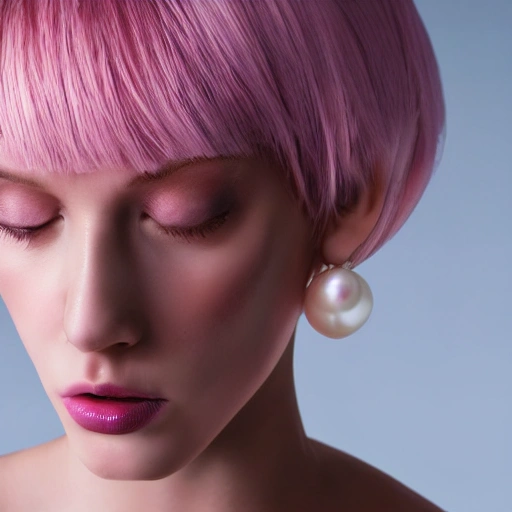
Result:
pixel 23 207
pixel 29 228
pixel 190 206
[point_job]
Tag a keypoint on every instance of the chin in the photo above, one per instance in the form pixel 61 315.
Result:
pixel 128 457
pixel 153 470
pixel 134 470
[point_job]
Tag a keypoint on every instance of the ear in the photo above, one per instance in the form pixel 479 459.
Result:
pixel 346 232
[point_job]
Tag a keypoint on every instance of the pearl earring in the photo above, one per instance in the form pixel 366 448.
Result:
pixel 338 302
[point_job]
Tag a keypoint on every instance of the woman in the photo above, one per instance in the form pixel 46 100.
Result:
pixel 172 175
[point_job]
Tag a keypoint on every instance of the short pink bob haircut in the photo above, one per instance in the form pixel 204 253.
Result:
pixel 344 94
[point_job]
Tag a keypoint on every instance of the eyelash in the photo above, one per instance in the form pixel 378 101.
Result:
pixel 19 234
pixel 199 231
pixel 23 234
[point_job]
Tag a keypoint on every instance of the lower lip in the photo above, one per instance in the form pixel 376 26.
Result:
pixel 111 416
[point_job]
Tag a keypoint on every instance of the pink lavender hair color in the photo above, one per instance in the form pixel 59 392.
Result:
pixel 345 94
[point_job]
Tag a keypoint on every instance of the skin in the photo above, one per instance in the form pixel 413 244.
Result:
pixel 206 321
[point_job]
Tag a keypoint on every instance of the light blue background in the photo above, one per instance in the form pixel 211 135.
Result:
pixel 423 390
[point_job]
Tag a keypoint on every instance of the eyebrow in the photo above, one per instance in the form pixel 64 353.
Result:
pixel 19 179
pixel 162 172
pixel 172 166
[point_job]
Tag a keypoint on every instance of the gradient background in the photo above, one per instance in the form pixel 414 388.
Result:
pixel 423 390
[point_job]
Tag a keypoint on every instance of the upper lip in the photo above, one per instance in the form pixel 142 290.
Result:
pixel 106 390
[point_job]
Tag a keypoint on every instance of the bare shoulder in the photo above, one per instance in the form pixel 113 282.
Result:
pixel 363 488
pixel 26 475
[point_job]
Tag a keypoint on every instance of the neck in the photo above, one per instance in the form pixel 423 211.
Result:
pixel 262 460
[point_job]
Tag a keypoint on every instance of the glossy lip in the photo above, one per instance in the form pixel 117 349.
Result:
pixel 110 409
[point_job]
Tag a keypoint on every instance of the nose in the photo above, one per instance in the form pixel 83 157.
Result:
pixel 102 306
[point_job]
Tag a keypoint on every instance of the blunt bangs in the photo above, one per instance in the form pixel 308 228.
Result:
pixel 88 85
pixel 344 94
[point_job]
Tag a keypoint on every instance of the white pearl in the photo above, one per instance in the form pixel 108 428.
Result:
pixel 338 302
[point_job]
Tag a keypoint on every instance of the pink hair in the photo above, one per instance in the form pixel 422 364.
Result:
pixel 344 94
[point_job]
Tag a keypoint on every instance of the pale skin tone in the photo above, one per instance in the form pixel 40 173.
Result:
pixel 202 314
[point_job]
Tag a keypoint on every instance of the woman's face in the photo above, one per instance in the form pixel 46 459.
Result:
pixel 184 286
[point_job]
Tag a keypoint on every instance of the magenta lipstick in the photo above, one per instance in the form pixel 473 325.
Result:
pixel 109 409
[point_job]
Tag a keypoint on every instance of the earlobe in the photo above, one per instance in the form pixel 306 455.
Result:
pixel 339 301
pixel 346 232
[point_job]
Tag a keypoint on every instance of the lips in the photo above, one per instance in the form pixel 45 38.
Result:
pixel 110 409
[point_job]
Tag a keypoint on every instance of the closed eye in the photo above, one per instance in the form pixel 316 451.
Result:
pixel 200 230
pixel 24 233
pixel 27 233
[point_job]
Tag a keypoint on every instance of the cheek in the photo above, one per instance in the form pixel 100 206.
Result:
pixel 234 308
pixel 15 289
pixel 27 288
pixel 232 286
